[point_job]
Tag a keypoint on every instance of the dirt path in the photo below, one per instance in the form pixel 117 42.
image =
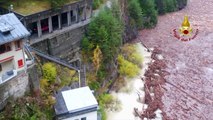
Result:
pixel 188 93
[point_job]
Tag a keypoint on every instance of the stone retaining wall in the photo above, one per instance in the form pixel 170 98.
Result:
pixel 14 88
pixel 65 45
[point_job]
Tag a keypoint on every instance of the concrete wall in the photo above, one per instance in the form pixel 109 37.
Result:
pixel 65 45
pixel 6 66
pixel 15 87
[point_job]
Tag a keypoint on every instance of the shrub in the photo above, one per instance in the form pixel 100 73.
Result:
pixel 44 84
pixel 127 68
pixel 130 52
pixel 49 72
pixel 66 76
pixel 136 58
pixel 102 112
pixel 96 4
pixel 57 3
pixel 106 100
pixel 94 85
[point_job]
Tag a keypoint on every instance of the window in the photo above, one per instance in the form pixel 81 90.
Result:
pixel 84 118
pixel 5 48
pixel 20 63
pixel 18 45
pixel 0 68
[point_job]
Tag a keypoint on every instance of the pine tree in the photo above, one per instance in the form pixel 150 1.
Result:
pixel 135 12
pixel 171 5
pixel 160 6
pixel 181 4
pixel 149 12
pixel 106 31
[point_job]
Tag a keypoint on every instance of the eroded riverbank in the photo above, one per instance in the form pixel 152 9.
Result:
pixel 130 100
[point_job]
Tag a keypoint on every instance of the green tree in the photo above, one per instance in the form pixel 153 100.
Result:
pixel 105 31
pixel 149 12
pixel 171 5
pixel 135 12
pixel 160 6
pixel 181 4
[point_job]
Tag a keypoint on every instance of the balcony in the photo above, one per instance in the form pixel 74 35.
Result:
pixel 7 76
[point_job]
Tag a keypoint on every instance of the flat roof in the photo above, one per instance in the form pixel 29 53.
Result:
pixel 79 99
pixel 29 7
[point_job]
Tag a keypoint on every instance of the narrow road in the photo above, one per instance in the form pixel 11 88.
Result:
pixel 188 93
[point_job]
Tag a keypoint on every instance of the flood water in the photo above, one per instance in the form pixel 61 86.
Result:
pixel 188 92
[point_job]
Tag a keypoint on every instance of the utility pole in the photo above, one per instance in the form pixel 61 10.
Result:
pixel 79 78
pixel 79 73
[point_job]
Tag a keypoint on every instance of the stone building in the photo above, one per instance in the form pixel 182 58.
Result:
pixel 57 32
pixel 49 22
pixel 13 77
pixel 12 33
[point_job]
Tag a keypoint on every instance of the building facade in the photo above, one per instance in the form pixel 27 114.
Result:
pixel 58 32
pixel 12 34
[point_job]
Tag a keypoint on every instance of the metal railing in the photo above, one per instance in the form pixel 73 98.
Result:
pixel 80 69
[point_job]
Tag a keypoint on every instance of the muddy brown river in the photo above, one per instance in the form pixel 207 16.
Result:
pixel 188 93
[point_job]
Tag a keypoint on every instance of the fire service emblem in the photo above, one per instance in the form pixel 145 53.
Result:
pixel 185 32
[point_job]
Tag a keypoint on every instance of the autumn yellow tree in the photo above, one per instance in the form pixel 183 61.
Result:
pixel 97 57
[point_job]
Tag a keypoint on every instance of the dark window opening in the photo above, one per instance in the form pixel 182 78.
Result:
pixel 32 27
pixel 84 118
pixel 44 25
pixel 5 48
pixel 73 17
pixel 64 21
pixel 55 22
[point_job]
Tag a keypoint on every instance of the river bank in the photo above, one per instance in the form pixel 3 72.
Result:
pixel 129 95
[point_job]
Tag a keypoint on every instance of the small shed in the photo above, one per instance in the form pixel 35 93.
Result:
pixel 76 104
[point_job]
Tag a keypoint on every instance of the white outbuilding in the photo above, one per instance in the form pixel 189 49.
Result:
pixel 76 104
